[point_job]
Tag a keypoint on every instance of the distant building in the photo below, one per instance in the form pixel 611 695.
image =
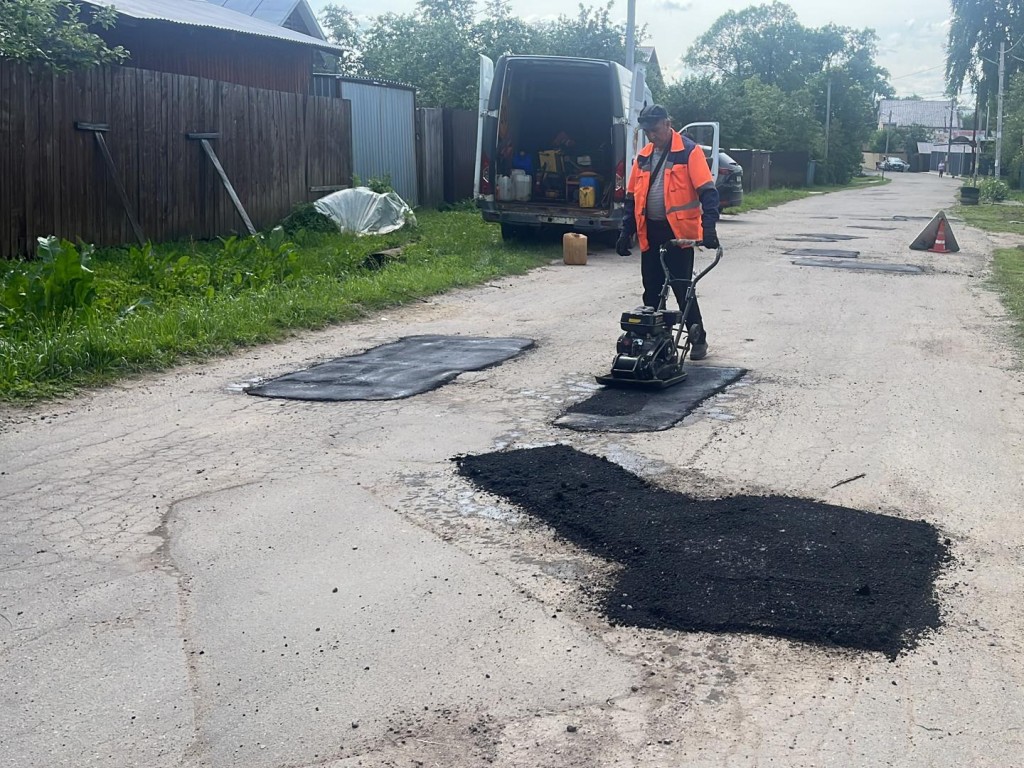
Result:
pixel 290 14
pixel 895 113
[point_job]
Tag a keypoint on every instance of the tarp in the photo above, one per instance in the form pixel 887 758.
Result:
pixel 365 212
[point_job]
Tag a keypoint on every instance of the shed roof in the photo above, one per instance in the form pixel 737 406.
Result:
pixel 930 114
pixel 275 12
pixel 199 13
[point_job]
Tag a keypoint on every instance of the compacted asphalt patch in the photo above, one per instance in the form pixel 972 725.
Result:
pixel 409 366
pixel 773 565
pixel 622 409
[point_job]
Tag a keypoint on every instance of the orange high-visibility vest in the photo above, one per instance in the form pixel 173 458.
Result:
pixel 685 172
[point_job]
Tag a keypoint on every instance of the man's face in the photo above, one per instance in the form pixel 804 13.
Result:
pixel 660 133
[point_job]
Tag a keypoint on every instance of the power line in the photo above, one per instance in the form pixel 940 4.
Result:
pixel 920 72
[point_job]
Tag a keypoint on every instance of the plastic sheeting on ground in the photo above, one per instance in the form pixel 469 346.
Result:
pixel 365 212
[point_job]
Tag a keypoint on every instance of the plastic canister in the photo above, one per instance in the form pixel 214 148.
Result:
pixel 523 186
pixel 589 191
pixel 574 248
pixel 504 190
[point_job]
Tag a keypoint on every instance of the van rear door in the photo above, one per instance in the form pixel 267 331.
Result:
pixel 486 134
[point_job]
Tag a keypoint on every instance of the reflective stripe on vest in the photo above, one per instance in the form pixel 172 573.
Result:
pixel 682 203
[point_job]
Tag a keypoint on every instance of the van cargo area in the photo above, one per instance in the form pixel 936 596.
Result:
pixel 554 151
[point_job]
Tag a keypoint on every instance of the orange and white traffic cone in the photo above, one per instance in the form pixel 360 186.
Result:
pixel 940 239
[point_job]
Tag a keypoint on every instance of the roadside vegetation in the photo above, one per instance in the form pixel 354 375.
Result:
pixel 78 317
pixel 1007 263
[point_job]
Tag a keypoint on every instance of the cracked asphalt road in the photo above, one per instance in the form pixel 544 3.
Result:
pixel 172 547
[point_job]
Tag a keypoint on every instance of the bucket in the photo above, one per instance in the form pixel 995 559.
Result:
pixel 574 248
pixel 522 186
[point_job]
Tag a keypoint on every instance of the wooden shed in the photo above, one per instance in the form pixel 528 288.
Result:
pixel 198 38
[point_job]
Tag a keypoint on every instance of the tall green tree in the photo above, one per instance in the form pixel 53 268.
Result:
pixel 56 35
pixel 499 32
pixel 763 41
pixel 903 138
pixel 976 28
pixel 591 34
pixel 429 49
pixel 343 30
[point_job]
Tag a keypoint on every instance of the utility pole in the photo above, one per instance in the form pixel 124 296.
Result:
pixel 828 114
pixel 999 107
pixel 974 139
pixel 949 144
pixel 630 34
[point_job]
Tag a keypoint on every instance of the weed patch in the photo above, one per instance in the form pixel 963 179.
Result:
pixel 115 312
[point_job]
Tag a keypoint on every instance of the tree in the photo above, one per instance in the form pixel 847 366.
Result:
pixel 435 55
pixel 500 32
pixel 764 41
pixel 342 30
pixel 904 138
pixel 52 34
pixel 590 34
pixel 976 28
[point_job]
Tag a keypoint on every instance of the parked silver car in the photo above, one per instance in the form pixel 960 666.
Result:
pixel 894 164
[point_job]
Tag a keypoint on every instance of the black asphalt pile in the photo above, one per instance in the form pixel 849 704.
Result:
pixel 772 565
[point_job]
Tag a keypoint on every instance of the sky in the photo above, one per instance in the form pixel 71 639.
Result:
pixel 912 33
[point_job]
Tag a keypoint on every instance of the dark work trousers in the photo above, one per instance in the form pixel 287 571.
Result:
pixel 680 264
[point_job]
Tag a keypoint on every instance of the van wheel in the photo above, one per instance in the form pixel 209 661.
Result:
pixel 511 232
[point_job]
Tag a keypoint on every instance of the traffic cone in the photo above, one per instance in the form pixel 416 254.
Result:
pixel 940 239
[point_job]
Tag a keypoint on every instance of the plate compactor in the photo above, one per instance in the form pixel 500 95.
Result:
pixel 649 353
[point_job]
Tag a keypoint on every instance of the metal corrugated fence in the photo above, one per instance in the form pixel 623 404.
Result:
pixel 383 129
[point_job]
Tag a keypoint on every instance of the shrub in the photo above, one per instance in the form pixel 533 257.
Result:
pixel 305 217
pixel 993 190
pixel 56 282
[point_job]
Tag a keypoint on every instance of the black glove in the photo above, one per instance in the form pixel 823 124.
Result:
pixel 623 243
pixel 710 239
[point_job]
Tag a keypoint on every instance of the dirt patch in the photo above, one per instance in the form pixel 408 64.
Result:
pixel 773 565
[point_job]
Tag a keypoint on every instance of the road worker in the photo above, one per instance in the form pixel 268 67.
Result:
pixel 671 195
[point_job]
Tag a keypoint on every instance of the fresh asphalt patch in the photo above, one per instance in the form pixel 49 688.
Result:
pixel 620 409
pixel 403 368
pixel 771 565
pixel 818 237
pixel 833 253
pixel 866 266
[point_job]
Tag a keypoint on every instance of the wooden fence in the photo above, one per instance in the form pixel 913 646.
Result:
pixel 445 154
pixel 276 148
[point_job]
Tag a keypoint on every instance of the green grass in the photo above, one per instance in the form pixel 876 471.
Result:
pixel 1007 263
pixel 768 198
pixel 1008 275
pixel 202 303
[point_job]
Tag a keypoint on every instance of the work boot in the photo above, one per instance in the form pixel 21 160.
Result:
pixel 699 351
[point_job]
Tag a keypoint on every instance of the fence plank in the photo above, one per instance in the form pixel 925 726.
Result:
pixel 53 180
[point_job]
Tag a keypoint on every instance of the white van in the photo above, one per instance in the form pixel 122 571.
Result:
pixel 549 127
pixel 556 139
